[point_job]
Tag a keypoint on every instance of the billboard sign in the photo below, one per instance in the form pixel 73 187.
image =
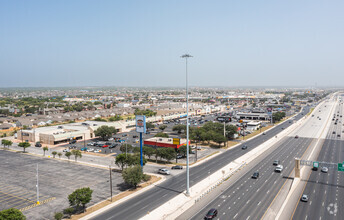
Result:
pixel 176 141
pixel 141 123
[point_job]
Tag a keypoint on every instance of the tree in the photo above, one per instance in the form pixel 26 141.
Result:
pixel 179 128
pixel 54 153
pixel 169 154
pixel 160 152
pixel 121 161
pixel 44 150
pixel 100 119
pixel 231 130
pixel 59 154
pixel 133 175
pixel 150 125
pixel 105 132
pixel 6 143
pixel 68 154
pixel 24 145
pixel 126 148
pixel 58 216
pixel 80 196
pixel 161 134
pixel 162 127
pixel 76 154
pixel 12 213
pixel 116 118
pixel 137 150
pixel 218 138
pixel 148 151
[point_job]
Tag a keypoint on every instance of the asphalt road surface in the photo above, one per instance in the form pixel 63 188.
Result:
pixel 325 189
pixel 139 206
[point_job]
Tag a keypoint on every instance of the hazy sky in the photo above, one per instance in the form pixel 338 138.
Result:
pixel 139 43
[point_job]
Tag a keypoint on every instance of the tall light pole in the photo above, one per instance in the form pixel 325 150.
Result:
pixel 186 56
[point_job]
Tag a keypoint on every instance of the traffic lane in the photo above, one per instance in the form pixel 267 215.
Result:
pixel 245 191
pixel 155 198
pixel 323 188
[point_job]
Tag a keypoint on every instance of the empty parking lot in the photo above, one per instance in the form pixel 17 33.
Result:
pixel 57 179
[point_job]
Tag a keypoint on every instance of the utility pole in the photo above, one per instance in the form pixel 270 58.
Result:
pixel 37 186
pixel 186 56
pixel 110 182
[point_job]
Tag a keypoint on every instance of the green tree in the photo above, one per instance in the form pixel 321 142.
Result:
pixel 7 143
pixel 105 132
pixel 100 119
pixel 231 130
pixel 44 150
pixel 160 153
pixel 126 148
pixel 68 154
pixel 59 154
pixel 150 125
pixel 58 216
pixel 137 150
pixel 54 153
pixel 148 151
pixel 179 128
pixel 80 197
pixel 133 175
pixel 11 214
pixel 116 118
pixel 76 153
pixel 121 161
pixel 161 134
pixel 162 127
pixel 169 154
pixel 24 145
pixel 218 138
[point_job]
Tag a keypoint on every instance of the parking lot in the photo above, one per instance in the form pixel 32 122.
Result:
pixel 57 179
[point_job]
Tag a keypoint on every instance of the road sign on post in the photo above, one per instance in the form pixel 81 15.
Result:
pixel 340 166
pixel 141 128
pixel 316 164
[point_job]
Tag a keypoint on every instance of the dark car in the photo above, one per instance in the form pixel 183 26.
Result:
pixel 255 175
pixel 38 144
pixel 135 136
pixel 177 167
pixel 212 213
pixel 244 147
pixel 72 141
pixel 296 136
pixel 72 147
pixel 113 145
pixel 276 162
pixel 124 135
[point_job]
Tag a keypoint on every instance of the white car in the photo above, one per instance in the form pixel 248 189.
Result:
pixel 66 150
pixel 164 171
pixel 279 168
pixel 96 151
pixel 324 169
pixel 90 150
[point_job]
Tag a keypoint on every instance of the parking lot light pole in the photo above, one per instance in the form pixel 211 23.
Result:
pixel 186 56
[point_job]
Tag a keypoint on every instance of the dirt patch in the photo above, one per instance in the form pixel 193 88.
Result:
pixel 115 198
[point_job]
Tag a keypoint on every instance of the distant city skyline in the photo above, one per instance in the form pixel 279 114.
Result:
pixel 139 43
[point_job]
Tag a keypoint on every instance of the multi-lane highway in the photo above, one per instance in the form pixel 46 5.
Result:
pixel 325 189
pixel 142 204
pixel 249 198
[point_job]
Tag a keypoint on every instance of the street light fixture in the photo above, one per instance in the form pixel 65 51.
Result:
pixel 186 56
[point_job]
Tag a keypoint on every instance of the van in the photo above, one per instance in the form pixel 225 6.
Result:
pixel 279 168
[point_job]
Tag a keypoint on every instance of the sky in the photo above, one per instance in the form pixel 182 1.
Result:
pixel 140 43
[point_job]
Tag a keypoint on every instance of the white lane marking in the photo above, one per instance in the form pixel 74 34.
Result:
pixel 235 215
pixel 247 201
pixel 248 218
pixel 259 203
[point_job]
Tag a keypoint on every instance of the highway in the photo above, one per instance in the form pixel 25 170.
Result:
pixel 147 201
pixel 324 189
pixel 249 198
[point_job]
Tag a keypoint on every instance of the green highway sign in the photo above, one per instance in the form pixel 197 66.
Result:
pixel 316 164
pixel 340 166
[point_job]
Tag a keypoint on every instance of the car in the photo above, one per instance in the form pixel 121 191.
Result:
pixel 90 150
pixel 276 162
pixel 304 198
pixel 97 151
pixel 180 156
pixel 38 144
pixel 324 169
pixel 111 139
pixel 104 146
pixel 135 136
pixel 83 149
pixel 244 147
pixel 66 150
pixel 147 132
pixel 124 135
pixel 108 143
pixel 72 147
pixel 296 136
pixel 282 128
pixel 279 168
pixel 264 133
pixel 90 144
pixel 72 141
pixel 212 213
pixel 113 145
pixel 333 132
pixel 177 167
pixel 121 141
pixel 255 175
pixel 164 171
